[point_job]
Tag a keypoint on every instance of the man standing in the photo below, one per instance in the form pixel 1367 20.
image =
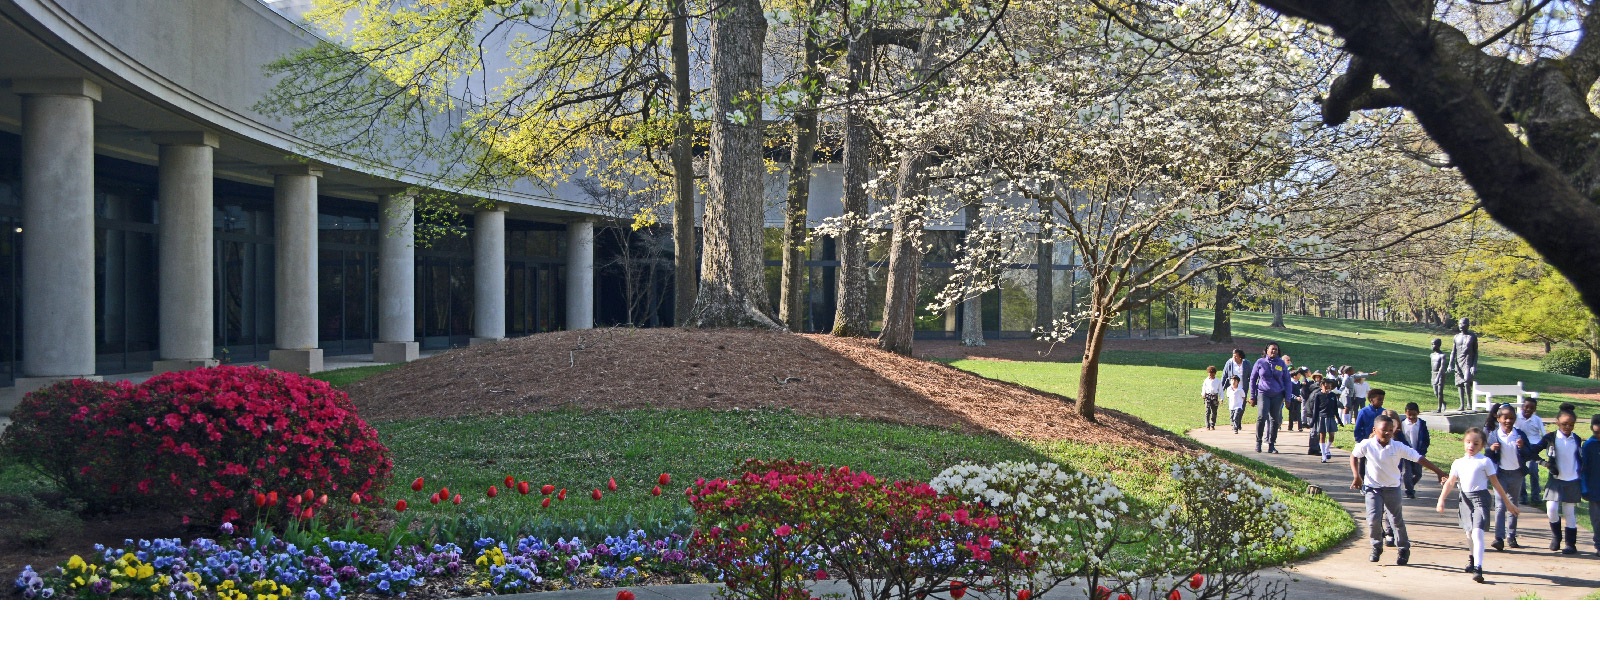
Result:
pixel 1269 384
pixel 1379 482
pixel 1531 427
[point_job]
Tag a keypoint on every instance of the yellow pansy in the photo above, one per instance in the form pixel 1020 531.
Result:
pixel 75 563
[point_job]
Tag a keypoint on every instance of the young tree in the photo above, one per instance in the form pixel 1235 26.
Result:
pixel 1522 299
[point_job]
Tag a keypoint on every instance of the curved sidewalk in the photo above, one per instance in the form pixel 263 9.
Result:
pixel 1438 546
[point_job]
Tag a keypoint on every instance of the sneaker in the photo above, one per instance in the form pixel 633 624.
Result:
pixel 1377 552
pixel 1512 541
pixel 1388 542
pixel 1404 557
pixel 1258 447
pixel 1325 458
pixel 1498 545
pixel 1272 450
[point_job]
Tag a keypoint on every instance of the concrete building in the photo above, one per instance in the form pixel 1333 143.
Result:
pixel 151 219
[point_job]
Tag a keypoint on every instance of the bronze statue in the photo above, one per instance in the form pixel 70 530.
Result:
pixel 1464 362
pixel 1439 363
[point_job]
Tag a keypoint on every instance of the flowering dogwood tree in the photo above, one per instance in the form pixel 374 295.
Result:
pixel 1156 159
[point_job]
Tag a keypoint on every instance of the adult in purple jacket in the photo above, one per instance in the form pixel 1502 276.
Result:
pixel 1269 384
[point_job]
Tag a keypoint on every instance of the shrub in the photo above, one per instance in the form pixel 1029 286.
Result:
pixel 1225 526
pixel 78 435
pixel 205 442
pixel 783 525
pixel 1567 361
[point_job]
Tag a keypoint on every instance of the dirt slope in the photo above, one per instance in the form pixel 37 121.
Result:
pixel 725 370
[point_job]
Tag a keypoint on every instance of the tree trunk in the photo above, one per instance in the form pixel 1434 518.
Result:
pixel 1089 373
pixel 850 310
pixel 1593 335
pixel 972 309
pixel 791 305
pixel 1222 310
pixel 685 256
pixel 1277 314
pixel 905 243
pixel 1044 293
pixel 732 292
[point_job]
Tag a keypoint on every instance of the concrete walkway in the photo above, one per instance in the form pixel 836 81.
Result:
pixel 1438 546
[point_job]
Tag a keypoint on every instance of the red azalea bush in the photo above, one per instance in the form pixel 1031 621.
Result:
pixel 784 524
pixel 76 434
pixel 219 444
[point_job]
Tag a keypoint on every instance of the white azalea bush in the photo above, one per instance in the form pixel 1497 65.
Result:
pixel 1071 527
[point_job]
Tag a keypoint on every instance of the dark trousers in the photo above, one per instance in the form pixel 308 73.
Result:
pixel 1237 418
pixel 1294 414
pixel 1411 473
pixel 1269 418
pixel 1594 522
pixel 1211 411
pixel 1532 493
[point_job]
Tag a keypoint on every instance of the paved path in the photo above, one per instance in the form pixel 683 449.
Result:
pixel 1438 550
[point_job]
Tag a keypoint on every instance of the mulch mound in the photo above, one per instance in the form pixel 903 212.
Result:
pixel 670 368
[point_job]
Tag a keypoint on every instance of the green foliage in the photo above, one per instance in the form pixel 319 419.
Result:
pixel 1567 361
pixel 1521 298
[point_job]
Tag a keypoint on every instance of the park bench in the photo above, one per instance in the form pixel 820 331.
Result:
pixel 1485 396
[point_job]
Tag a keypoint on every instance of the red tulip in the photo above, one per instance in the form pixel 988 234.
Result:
pixel 308 496
pixel 433 499
pixel 272 498
pixel 456 500
pixel 1174 595
pixel 510 481
pixel 322 500
pixel 306 514
pixel 545 503
pixel 355 498
pixel 595 494
pixel 958 589
pixel 656 492
pixel 1023 595
pixel 612 483
pixel 261 500
pixel 493 491
pixel 546 489
pixel 664 479
pixel 1124 597
pixel 444 493
pixel 561 495
pixel 400 506
pixel 822 574
pixel 522 487
pixel 1197 581
pixel 1101 593
pixel 625 595
pixel 294 500
pixel 416 485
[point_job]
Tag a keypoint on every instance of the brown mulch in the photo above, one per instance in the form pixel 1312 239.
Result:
pixel 619 369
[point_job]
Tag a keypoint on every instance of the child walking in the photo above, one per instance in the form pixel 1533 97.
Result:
pixel 1236 404
pixel 1324 417
pixel 1211 392
pixel 1414 431
pixel 1475 473
pixel 1563 491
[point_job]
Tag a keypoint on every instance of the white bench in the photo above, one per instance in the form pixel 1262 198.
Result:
pixel 1484 396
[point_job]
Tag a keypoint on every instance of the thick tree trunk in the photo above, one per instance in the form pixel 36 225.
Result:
pixel 1222 310
pixel 791 305
pixel 905 243
pixel 1545 190
pixel 1593 335
pixel 850 311
pixel 1277 314
pixel 732 292
pixel 685 257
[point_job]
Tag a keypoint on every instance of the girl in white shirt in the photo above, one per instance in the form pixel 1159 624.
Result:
pixel 1475 474
pixel 1562 492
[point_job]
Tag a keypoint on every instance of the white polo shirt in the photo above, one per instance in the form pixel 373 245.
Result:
pixel 1508 448
pixel 1472 473
pixel 1564 449
pixel 1383 461
pixel 1531 427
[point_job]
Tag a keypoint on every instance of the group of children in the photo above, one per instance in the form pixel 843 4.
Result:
pixel 1390 455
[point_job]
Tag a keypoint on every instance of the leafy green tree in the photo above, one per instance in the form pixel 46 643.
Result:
pixel 1524 299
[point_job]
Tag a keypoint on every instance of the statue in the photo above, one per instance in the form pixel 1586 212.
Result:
pixel 1439 363
pixel 1464 362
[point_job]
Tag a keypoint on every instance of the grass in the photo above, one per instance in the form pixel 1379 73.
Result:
pixel 342 378
pixel 1164 387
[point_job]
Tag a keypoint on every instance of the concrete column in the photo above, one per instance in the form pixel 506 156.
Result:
pixel 57 229
pixel 185 239
pixel 397 269
pixel 294 204
pixel 580 275
pixel 489 277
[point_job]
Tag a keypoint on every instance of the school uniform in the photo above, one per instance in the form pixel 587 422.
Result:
pixel 1324 418
pixel 1416 436
pixel 1293 402
pixel 1508 461
pixel 1211 393
pixel 1474 503
pixel 1589 483
pixel 1533 428
pixel 1380 487
pixel 1364 421
pixel 1564 491
pixel 1236 408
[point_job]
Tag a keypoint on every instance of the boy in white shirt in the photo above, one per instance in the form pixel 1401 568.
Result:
pixel 1532 427
pixel 1211 393
pixel 1476 474
pixel 1378 478
pixel 1236 404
